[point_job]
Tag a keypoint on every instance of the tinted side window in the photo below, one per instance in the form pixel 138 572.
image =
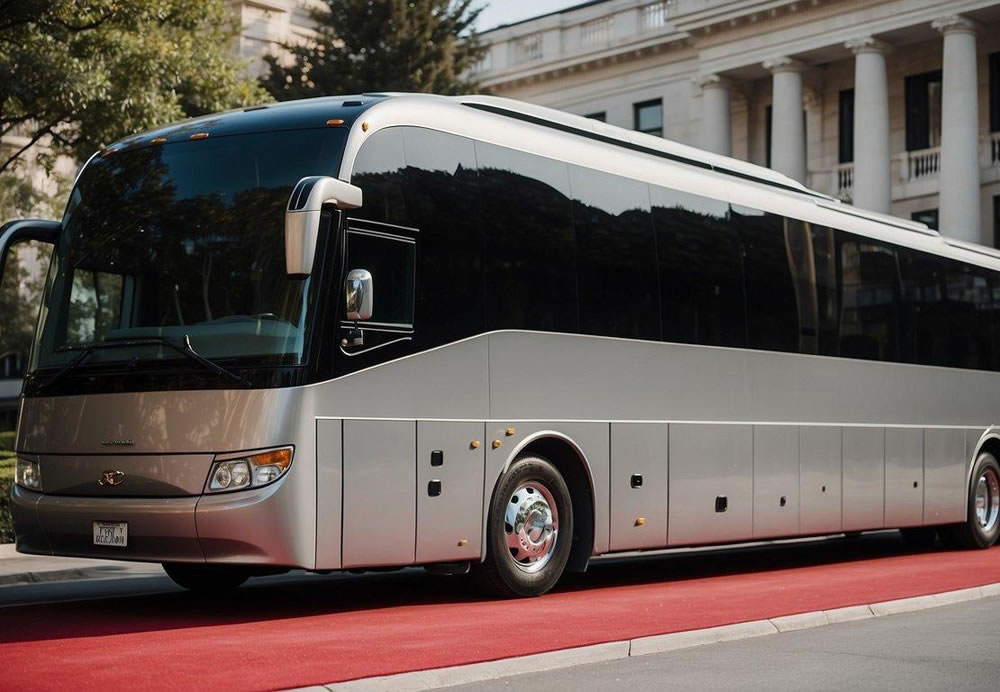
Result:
pixel 870 300
pixel 378 171
pixel 772 314
pixel 530 255
pixel 824 249
pixel 441 193
pixel 701 273
pixel 951 306
pixel 616 256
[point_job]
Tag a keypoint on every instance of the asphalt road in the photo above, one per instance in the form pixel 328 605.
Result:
pixel 948 648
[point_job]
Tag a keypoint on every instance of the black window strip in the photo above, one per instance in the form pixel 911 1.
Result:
pixel 637 147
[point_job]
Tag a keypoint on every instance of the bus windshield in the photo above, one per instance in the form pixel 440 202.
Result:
pixel 184 241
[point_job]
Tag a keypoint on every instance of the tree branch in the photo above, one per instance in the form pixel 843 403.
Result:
pixel 10 160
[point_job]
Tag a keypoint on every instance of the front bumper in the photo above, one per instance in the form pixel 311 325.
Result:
pixel 261 526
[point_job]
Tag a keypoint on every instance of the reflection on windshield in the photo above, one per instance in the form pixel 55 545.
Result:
pixel 185 239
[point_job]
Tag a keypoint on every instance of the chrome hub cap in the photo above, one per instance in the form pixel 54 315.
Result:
pixel 988 500
pixel 531 526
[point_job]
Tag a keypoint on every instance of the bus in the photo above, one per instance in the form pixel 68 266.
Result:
pixel 473 334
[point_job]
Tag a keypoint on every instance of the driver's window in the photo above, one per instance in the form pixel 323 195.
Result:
pixel 390 259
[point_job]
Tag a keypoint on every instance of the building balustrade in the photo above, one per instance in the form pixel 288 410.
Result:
pixel 992 151
pixel 518 47
pixel 919 164
pixel 845 180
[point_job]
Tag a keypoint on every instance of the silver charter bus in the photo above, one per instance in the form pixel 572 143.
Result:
pixel 464 332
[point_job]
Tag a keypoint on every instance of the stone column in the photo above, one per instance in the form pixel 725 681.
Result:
pixel 788 135
pixel 958 210
pixel 872 161
pixel 716 126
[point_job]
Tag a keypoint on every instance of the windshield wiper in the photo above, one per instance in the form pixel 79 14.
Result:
pixel 186 350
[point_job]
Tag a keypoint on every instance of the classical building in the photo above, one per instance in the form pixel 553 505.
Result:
pixel 893 105
pixel 267 25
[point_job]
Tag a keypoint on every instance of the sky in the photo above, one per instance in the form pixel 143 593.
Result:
pixel 499 12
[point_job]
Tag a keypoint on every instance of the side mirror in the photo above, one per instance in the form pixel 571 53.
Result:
pixel 15 232
pixel 302 218
pixel 358 293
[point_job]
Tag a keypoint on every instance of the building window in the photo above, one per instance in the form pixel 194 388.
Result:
pixel 996 221
pixel 923 110
pixel 845 126
pixel 928 216
pixel 602 116
pixel 649 117
pixel 995 92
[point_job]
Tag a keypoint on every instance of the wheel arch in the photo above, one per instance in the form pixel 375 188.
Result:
pixel 988 442
pixel 571 461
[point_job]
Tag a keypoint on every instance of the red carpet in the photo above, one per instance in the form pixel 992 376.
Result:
pixel 320 630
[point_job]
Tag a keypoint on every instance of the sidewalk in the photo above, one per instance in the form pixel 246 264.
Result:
pixel 16 568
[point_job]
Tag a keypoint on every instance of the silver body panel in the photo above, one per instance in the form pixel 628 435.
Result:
pixel 329 492
pixel 863 505
pixel 775 481
pixel 946 469
pixel 904 477
pixel 708 461
pixel 638 449
pixel 820 451
pixel 380 511
pixel 780 424
pixel 449 523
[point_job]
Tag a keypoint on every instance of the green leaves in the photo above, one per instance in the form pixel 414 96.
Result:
pixel 382 45
pixel 80 74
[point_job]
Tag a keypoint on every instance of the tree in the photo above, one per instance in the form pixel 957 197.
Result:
pixel 384 45
pixel 77 75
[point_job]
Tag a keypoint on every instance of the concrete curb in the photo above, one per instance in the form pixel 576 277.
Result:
pixel 599 653
pixel 41 576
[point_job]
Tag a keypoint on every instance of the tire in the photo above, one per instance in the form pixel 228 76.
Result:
pixel 982 524
pixel 531 489
pixel 920 537
pixel 206 578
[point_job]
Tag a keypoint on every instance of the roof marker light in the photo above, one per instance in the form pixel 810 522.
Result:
pixel 158 140
pixel 199 135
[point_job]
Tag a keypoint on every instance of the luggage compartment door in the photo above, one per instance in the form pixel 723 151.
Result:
pixel 451 458
pixel 775 480
pixel 379 499
pixel 638 485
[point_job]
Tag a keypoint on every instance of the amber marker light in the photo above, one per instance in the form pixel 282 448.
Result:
pixel 158 140
pixel 365 126
pixel 199 135
pixel 282 458
pixel 334 122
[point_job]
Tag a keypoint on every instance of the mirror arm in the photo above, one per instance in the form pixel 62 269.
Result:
pixel 303 217
pixel 26 229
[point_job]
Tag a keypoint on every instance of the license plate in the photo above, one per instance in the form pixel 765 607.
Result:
pixel 113 533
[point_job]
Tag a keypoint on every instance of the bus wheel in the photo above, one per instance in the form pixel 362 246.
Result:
pixel 529 530
pixel 206 578
pixel 982 525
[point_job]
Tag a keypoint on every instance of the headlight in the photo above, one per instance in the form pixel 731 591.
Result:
pixel 27 474
pixel 251 471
